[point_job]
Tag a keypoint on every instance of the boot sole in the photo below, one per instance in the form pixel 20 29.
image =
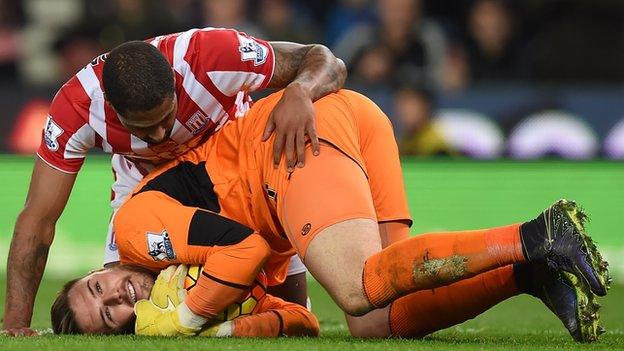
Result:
pixel 600 266
pixel 587 316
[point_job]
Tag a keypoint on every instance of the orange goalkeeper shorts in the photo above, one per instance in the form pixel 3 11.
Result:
pixel 357 174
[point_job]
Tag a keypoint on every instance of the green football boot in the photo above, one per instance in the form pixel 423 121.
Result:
pixel 567 296
pixel 558 238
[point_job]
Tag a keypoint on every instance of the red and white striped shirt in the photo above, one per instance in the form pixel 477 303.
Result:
pixel 214 68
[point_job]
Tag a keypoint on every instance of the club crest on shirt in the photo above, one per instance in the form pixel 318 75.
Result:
pixel 196 122
pixel 96 61
pixel 159 246
pixel 251 50
pixel 50 133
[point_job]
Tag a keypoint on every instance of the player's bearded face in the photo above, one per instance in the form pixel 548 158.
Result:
pixel 153 126
pixel 103 301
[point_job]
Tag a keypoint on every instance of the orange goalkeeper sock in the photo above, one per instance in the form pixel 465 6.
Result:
pixel 262 325
pixel 427 311
pixel 432 260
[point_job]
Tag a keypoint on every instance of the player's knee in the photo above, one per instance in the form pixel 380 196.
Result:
pixel 353 304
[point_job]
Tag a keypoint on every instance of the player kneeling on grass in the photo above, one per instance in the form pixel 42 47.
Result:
pixel 104 302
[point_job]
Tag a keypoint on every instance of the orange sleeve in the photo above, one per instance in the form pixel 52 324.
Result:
pixel 154 230
pixel 228 274
pixel 151 230
pixel 277 317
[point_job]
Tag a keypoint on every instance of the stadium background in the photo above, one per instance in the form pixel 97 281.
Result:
pixel 500 107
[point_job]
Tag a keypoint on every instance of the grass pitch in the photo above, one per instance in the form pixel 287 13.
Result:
pixel 443 195
pixel 521 323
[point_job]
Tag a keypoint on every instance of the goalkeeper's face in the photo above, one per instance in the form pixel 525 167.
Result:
pixel 103 301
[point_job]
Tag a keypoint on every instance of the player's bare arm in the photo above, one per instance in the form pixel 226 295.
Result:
pixel 33 235
pixel 307 72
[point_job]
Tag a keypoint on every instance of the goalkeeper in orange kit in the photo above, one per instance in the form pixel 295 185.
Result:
pixel 224 205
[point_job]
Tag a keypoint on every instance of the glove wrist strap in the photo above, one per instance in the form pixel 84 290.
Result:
pixel 188 318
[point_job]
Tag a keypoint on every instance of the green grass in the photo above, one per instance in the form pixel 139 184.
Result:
pixel 443 195
pixel 521 323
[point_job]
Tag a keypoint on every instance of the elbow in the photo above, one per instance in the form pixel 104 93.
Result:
pixel 33 228
pixel 30 245
pixel 337 65
pixel 341 68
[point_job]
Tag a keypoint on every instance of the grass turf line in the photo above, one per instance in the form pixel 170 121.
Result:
pixel 521 323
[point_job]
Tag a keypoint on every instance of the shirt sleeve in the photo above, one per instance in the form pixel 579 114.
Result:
pixel 228 273
pixel 154 230
pixel 276 317
pixel 66 137
pixel 233 61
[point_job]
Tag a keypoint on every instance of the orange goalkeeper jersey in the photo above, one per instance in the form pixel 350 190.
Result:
pixel 216 205
pixel 230 175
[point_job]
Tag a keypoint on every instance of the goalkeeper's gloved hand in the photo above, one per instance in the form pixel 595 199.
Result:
pixel 165 313
pixel 169 286
pixel 169 321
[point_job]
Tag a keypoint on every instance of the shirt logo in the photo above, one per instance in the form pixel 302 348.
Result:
pixel 271 193
pixel 306 229
pixel 196 122
pixel 159 246
pixel 50 133
pixel 251 50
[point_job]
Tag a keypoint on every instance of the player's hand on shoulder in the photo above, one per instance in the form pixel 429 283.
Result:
pixel 169 286
pixel 292 120
pixel 22 331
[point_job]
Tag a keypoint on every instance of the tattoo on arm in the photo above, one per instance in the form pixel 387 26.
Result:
pixel 312 66
pixel 287 62
pixel 27 266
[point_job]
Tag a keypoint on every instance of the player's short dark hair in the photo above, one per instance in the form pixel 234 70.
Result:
pixel 136 77
pixel 63 317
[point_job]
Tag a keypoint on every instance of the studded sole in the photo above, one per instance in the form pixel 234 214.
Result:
pixel 587 308
pixel 576 215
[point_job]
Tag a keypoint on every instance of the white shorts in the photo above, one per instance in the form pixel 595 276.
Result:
pixel 126 179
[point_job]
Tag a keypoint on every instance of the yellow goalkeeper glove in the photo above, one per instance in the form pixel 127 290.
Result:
pixel 155 321
pixel 169 286
pixel 165 313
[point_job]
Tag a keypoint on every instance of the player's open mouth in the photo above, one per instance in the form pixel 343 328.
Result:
pixel 131 291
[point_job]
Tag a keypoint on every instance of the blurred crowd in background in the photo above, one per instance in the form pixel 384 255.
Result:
pixel 479 78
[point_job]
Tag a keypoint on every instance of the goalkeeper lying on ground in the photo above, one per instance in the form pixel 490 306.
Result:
pixel 103 302
pixel 225 205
